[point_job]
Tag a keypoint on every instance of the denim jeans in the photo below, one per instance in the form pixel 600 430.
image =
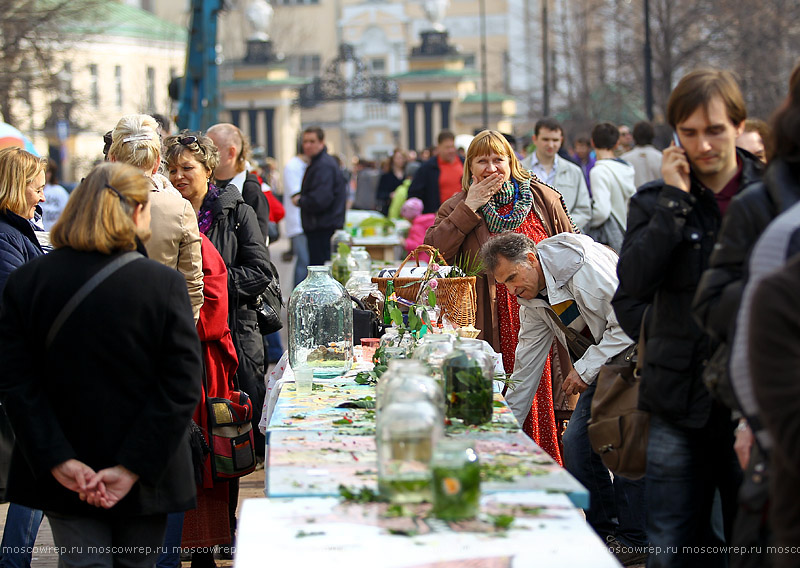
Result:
pixel 686 468
pixel 300 249
pixel 273 347
pixel 616 507
pixel 21 528
pixel 170 557
pixel 319 246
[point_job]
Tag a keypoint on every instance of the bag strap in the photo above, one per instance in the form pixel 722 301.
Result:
pixel 85 290
pixel 569 333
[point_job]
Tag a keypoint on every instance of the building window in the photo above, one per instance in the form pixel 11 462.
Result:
pixel 94 87
pixel 377 65
pixel 151 89
pixel 118 85
pixel 304 65
pixel 469 60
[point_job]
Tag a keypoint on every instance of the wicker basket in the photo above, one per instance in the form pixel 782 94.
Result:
pixel 456 296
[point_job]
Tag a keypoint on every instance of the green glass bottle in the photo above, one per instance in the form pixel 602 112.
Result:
pixel 387 304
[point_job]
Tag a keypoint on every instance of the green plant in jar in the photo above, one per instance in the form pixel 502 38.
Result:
pixel 468 383
pixel 343 265
pixel 456 480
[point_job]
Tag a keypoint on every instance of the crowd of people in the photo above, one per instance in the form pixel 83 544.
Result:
pixel 151 272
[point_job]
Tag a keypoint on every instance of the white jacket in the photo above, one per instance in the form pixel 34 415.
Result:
pixel 612 188
pixel 293 174
pixel 575 268
pixel 646 162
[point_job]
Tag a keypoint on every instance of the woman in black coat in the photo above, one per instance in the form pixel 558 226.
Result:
pixel 101 410
pixel 231 225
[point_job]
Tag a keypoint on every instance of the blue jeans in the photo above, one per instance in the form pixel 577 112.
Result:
pixel 300 249
pixel 686 468
pixel 615 507
pixel 273 347
pixel 170 557
pixel 21 528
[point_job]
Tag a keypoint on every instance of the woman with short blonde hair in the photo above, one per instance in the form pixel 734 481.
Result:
pixel 175 239
pixel 99 215
pixel 22 180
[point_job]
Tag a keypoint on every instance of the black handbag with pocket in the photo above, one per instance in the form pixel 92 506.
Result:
pixel 268 306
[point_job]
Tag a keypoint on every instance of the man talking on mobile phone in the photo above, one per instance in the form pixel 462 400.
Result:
pixel 672 227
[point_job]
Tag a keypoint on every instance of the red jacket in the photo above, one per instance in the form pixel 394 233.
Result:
pixel 219 354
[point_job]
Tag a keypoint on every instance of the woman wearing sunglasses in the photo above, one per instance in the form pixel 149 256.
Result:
pixel 231 226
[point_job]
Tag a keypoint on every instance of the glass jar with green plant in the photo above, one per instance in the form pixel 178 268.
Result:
pixel 468 376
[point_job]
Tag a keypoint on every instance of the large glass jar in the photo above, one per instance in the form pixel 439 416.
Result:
pixel 432 350
pixel 468 375
pixel 362 258
pixel 321 325
pixel 456 480
pixel 406 434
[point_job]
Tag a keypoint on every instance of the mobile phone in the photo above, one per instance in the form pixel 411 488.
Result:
pixel 676 139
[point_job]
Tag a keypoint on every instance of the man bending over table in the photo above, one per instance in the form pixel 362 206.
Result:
pixel 573 267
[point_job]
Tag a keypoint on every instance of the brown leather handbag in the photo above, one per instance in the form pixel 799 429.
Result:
pixel 618 430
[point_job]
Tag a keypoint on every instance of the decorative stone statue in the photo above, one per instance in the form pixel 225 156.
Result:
pixel 435 10
pixel 259 16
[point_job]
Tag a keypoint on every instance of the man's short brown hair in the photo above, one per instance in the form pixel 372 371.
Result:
pixel 698 88
pixel 445 135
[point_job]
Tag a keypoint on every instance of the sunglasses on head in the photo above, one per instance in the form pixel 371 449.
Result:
pixel 187 140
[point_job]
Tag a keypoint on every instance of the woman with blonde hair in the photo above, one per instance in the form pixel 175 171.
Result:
pixel 498 195
pixel 22 181
pixel 92 310
pixel 175 240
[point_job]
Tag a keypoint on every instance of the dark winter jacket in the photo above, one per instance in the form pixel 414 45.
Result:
pixel 669 239
pixel 117 386
pixel 323 195
pixel 255 198
pixel 720 291
pixel 236 235
pixel 18 244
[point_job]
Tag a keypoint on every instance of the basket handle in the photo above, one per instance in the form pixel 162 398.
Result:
pixel 420 249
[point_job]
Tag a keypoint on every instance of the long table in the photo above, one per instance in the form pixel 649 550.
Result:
pixel 317 443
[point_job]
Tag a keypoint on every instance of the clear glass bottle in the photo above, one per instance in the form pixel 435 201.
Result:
pixel 456 480
pixel 371 296
pixel 406 435
pixel 362 257
pixel 320 325
pixel 468 375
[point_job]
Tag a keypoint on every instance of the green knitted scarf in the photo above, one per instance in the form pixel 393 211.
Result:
pixel 518 193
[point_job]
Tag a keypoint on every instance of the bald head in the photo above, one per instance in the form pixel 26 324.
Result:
pixel 233 149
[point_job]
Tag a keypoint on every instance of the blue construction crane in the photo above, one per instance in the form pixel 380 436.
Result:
pixel 198 102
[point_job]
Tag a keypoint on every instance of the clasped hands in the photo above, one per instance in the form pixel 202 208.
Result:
pixel 102 489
